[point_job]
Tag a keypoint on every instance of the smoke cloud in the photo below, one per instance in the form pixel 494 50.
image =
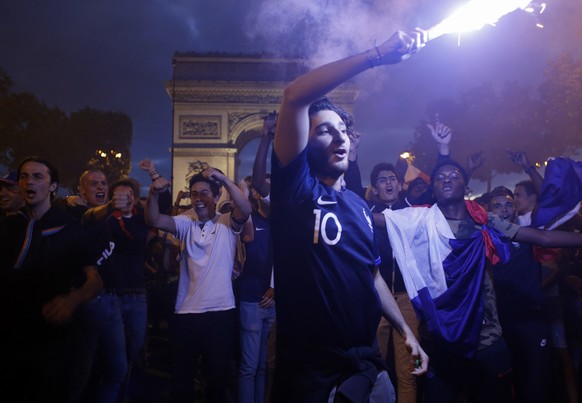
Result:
pixel 326 30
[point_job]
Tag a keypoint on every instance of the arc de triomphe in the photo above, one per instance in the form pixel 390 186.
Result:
pixel 219 102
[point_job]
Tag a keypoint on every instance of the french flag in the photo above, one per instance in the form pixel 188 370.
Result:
pixel 560 194
pixel 443 275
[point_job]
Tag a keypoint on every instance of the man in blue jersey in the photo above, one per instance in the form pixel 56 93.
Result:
pixel 329 295
pixel 254 288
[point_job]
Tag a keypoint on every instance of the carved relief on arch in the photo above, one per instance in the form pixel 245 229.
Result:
pixel 244 126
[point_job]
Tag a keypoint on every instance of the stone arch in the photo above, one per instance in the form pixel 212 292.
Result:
pixel 219 103
pixel 247 129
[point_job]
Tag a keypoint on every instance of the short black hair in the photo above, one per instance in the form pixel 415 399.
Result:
pixel 451 162
pixel 325 104
pixel 529 187
pixel 53 172
pixel 382 166
pixel 214 187
pixel 127 183
pixel 483 200
pixel 500 191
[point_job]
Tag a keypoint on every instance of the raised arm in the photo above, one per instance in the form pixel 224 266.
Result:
pixel 474 161
pixel 520 158
pixel 119 199
pixel 242 207
pixel 259 177
pixel 293 123
pixel 442 136
pixel 153 217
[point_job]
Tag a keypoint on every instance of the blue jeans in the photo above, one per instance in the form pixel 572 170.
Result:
pixel 101 345
pixel 135 320
pixel 134 312
pixel 255 325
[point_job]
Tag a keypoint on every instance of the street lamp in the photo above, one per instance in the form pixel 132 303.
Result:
pixel 408 156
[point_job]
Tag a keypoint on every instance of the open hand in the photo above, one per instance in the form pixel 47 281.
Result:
pixel 519 158
pixel 474 161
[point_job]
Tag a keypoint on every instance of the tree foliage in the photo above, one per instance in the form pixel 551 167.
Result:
pixel 105 139
pixel 561 94
pixel 493 120
pixel 73 143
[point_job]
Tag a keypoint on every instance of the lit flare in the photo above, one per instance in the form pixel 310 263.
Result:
pixel 477 13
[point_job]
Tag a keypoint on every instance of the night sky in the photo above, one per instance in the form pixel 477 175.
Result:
pixel 116 55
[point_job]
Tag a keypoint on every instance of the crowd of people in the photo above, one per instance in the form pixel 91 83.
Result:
pixel 298 285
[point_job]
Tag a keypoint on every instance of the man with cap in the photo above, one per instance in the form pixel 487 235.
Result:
pixel 10 199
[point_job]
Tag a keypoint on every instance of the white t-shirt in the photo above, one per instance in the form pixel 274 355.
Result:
pixel 525 219
pixel 206 264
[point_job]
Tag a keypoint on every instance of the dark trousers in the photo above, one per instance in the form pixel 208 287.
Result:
pixel 485 378
pixel 35 370
pixel 528 341
pixel 202 341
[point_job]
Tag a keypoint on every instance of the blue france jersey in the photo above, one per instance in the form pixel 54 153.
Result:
pixel 324 260
pixel 255 278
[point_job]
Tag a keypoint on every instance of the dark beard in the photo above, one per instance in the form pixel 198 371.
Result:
pixel 318 163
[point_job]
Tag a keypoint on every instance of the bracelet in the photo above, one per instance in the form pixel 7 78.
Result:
pixel 380 55
pixel 154 172
pixel 370 59
pixel 374 61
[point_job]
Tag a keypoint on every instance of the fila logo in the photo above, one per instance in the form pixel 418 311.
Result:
pixel 106 253
pixel 322 202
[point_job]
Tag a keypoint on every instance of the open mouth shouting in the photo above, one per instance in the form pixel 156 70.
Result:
pixel 447 188
pixel 340 153
pixel 29 193
pixel 100 197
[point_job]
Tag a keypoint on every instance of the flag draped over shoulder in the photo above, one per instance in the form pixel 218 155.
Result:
pixel 444 275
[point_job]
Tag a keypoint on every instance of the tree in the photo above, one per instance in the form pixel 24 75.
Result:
pixel 561 94
pixel 488 120
pixel 30 128
pixel 105 138
pixel 74 143
pixel 5 83
pixel 510 118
